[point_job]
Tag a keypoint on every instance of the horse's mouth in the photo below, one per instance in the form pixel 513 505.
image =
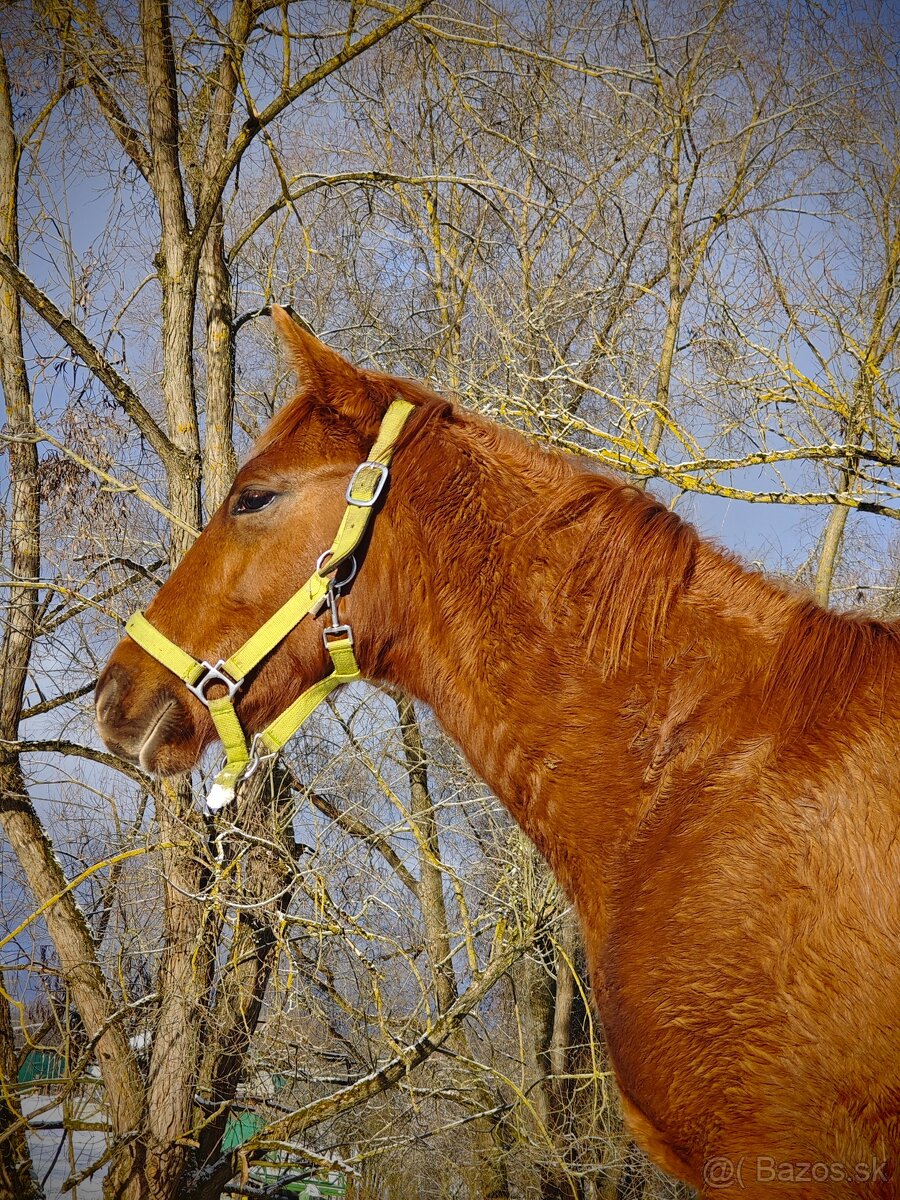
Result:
pixel 154 736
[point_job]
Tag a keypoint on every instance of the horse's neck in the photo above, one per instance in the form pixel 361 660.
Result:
pixel 478 630
pixel 476 610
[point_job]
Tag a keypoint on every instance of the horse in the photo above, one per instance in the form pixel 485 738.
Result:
pixel 707 759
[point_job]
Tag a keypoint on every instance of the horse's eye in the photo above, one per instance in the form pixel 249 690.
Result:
pixel 253 500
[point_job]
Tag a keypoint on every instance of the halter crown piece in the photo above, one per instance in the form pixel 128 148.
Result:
pixel 321 589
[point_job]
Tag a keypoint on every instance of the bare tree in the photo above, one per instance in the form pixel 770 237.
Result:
pixel 665 240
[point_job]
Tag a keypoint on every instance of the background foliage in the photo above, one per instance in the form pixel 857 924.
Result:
pixel 663 237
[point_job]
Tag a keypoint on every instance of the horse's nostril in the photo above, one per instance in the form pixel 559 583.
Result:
pixel 110 688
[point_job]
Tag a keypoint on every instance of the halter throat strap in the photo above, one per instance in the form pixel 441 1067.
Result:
pixel 241 759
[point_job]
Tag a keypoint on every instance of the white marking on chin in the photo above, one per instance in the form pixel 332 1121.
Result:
pixel 218 797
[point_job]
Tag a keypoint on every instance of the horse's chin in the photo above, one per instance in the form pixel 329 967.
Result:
pixel 168 763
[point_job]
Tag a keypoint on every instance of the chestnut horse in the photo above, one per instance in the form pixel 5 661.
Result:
pixel 708 761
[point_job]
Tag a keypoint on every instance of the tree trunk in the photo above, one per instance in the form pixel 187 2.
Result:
pixel 219 459
pixel 538 1004
pixel 177 264
pixel 267 813
pixel 490 1177
pixel 677 291
pixel 65 921
pixel 831 552
pixel 183 984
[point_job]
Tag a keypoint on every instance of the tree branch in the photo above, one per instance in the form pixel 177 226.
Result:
pixel 56 701
pixel 76 750
pixel 378 1081
pixel 212 192
pixel 128 137
pixel 77 340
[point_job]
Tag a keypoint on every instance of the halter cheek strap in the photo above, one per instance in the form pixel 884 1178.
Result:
pixel 322 587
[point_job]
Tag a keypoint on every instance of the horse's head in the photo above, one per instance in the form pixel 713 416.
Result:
pixel 259 547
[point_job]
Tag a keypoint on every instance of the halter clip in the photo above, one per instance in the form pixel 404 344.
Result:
pixel 257 757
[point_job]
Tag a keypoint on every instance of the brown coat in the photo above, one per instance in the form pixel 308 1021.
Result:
pixel 708 761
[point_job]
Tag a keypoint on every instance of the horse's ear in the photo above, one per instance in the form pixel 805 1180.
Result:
pixel 313 361
pixel 322 369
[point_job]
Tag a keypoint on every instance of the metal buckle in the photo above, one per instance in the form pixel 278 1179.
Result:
pixel 213 675
pixel 336 631
pixel 379 486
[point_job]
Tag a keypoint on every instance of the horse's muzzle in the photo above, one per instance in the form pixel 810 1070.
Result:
pixel 143 725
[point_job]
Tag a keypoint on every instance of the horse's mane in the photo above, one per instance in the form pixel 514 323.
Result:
pixel 824 657
pixel 622 560
pixel 626 561
pixel 629 559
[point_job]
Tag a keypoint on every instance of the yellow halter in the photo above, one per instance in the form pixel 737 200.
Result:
pixel 322 587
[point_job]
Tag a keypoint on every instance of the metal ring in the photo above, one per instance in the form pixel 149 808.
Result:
pixel 213 674
pixel 337 631
pixel 349 562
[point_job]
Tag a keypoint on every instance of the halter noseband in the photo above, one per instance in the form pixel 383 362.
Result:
pixel 323 587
